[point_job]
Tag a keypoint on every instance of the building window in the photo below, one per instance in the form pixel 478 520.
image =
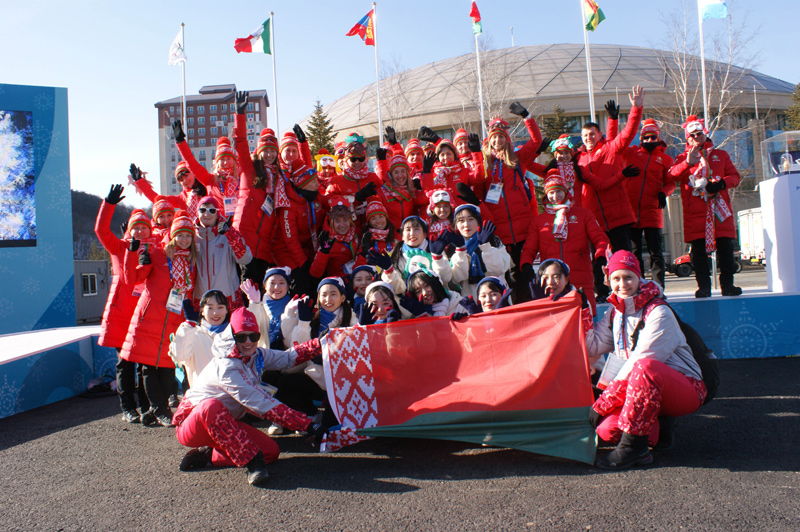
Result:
pixel 224 119
pixel 223 107
pixel 212 108
pixel 191 132
pixel 202 156
pixel 172 156
pixel 171 109
pixel 225 130
pixel 213 131
pixel 190 120
pixel 250 127
pixel 213 119
pixel 202 142
pixel 189 110
pixel 201 131
pixel 249 117
pixel 251 138
pixel 201 109
pixel 258 117
pixel 257 109
pixel 89 282
pixel 191 142
pixel 201 120
pixel 250 106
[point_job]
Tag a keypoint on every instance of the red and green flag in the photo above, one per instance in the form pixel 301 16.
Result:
pixel 477 28
pixel 258 41
pixel 594 15
pixel 517 377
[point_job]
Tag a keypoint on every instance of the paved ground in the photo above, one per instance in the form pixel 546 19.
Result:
pixel 749 277
pixel 75 466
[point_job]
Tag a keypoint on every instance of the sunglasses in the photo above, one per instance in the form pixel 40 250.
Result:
pixel 209 210
pixel 243 337
pixel 182 176
pixel 357 159
pixel 696 134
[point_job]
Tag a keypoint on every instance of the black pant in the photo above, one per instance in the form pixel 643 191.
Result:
pixel 127 389
pixel 620 238
pixel 652 235
pixel 516 281
pixel 725 261
pixel 159 385
pixel 255 270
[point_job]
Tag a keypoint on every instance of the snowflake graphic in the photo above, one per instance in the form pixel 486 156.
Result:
pixel 6 308
pixel 41 140
pixel 747 337
pixel 8 397
pixel 55 144
pixel 31 286
pixel 43 102
pixel 46 254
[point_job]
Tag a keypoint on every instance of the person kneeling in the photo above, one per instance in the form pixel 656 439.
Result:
pixel 227 389
pixel 658 374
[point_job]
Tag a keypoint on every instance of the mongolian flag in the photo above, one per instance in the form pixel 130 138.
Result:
pixel 516 377
pixel 477 27
pixel 594 15
pixel 365 29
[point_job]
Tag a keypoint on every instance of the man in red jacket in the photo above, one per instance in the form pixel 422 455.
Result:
pixel 648 194
pixel 706 174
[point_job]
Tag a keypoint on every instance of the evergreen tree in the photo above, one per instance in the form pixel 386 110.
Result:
pixel 557 125
pixel 793 112
pixel 320 131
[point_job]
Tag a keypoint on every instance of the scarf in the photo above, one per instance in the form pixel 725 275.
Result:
pixel 348 240
pixel 410 253
pixel 393 194
pixel 358 301
pixel 327 318
pixel 715 205
pixel 379 234
pixel 192 203
pixel 560 221
pixel 476 267
pixel 181 271
pixel 228 184
pixel 276 308
pixel 567 171
pixel 355 175
pixel 437 227
pixel 444 175
pixel 216 329
pixel 440 308
pixel 648 291
pixel 281 198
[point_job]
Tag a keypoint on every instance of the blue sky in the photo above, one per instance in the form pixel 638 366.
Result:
pixel 112 56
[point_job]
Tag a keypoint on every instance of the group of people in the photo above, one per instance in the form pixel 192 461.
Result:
pixel 237 278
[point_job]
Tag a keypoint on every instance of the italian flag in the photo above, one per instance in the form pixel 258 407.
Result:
pixel 517 377
pixel 258 41
pixel 477 27
pixel 594 15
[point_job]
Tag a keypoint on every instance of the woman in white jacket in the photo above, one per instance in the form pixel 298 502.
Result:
pixel 657 374
pixel 479 252
pixel 227 389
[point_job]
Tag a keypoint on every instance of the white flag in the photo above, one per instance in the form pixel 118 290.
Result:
pixel 176 51
pixel 712 9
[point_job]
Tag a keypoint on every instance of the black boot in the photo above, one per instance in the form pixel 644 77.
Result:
pixel 630 451
pixel 196 459
pixel 702 292
pixel 731 291
pixel 257 471
pixel 666 433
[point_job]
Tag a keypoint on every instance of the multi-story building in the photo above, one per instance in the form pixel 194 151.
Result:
pixel 209 115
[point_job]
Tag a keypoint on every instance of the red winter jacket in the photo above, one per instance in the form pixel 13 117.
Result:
pixel 292 243
pixel 643 189
pixel 517 207
pixel 121 301
pixel 147 341
pixel 583 175
pixel 470 175
pixel 187 200
pixel 399 205
pixel 694 207
pixel 333 264
pixel 253 222
pixel 611 207
pixel 216 188
pixel 582 228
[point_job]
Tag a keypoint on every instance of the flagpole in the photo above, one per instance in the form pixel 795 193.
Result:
pixel 377 72
pixel 274 72
pixel 588 62
pixel 703 67
pixel 183 77
pixel 480 87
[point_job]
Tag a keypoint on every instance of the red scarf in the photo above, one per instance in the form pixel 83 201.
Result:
pixel 560 221
pixel 348 239
pixel 356 175
pixel 393 194
pixel 567 171
pixel 181 271
pixel 379 234
pixel 445 175
pixel 229 185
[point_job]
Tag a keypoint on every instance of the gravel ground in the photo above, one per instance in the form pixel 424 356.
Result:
pixel 75 465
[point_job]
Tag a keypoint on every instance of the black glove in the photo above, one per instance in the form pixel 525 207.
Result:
pixel 426 134
pixel 223 226
pixel 466 194
pixel 470 305
pixel 365 192
pixel 381 260
pixel 544 144
pixel 526 270
pixel 365 315
pixel 241 101
pixel 486 234
pixel 594 417
pixel 380 154
pixel 584 299
pixel 189 312
pixel 115 195
pixel 305 309
pixel 177 132
pixel 437 247
pixel 474 142
pixel 366 243
pixel 136 173
pixel 631 171
pixel 417 183
pixel 427 163
pixel 316 432
pixel 414 305
pixel 505 300
pixel 298 132
pixel 458 316
pixel 393 315
pixel 537 290
pixel 662 200
pixel 715 186
pixel 612 109
pixel 391 136
pixel 134 245
pixel 144 257
pixel 325 242
pixel 517 108
pixel 123 227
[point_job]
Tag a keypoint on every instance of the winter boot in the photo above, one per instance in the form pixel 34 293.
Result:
pixel 666 433
pixel 731 291
pixel 148 418
pixel 630 451
pixel 257 471
pixel 196 459
pixel 702 292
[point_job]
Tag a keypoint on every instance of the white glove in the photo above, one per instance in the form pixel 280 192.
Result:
pixel 251 291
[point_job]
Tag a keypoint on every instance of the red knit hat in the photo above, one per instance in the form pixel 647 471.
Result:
pixel 445 143
pixel 498 126
pixel 650 127
pixel 183 166
pixel 339 203
pixel 138 216
pixel 554 181
pixel 624 260
pixel 162 204
pixel 412 146
pixel 181 224
pixel 289 139
pixel 302 174
pixel 374 207
pixel 461 134
pixel 224 149
pixel 243 320
pixel 266 140
pixel 211 200
pixel 398 161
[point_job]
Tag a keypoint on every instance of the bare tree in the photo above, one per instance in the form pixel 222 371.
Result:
pixel 395 86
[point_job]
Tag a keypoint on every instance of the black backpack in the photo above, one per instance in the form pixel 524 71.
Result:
pixel 704 356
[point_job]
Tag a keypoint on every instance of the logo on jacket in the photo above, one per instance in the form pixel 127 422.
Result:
pixel 715 157
pixel 573 219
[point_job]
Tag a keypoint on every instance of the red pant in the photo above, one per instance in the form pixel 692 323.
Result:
pixel 234 443
pixel 654 389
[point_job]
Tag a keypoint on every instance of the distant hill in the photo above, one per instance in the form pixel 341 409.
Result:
pixel 85 207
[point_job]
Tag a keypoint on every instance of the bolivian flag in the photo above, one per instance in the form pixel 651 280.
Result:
pixel 517 377
pixel 594 15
